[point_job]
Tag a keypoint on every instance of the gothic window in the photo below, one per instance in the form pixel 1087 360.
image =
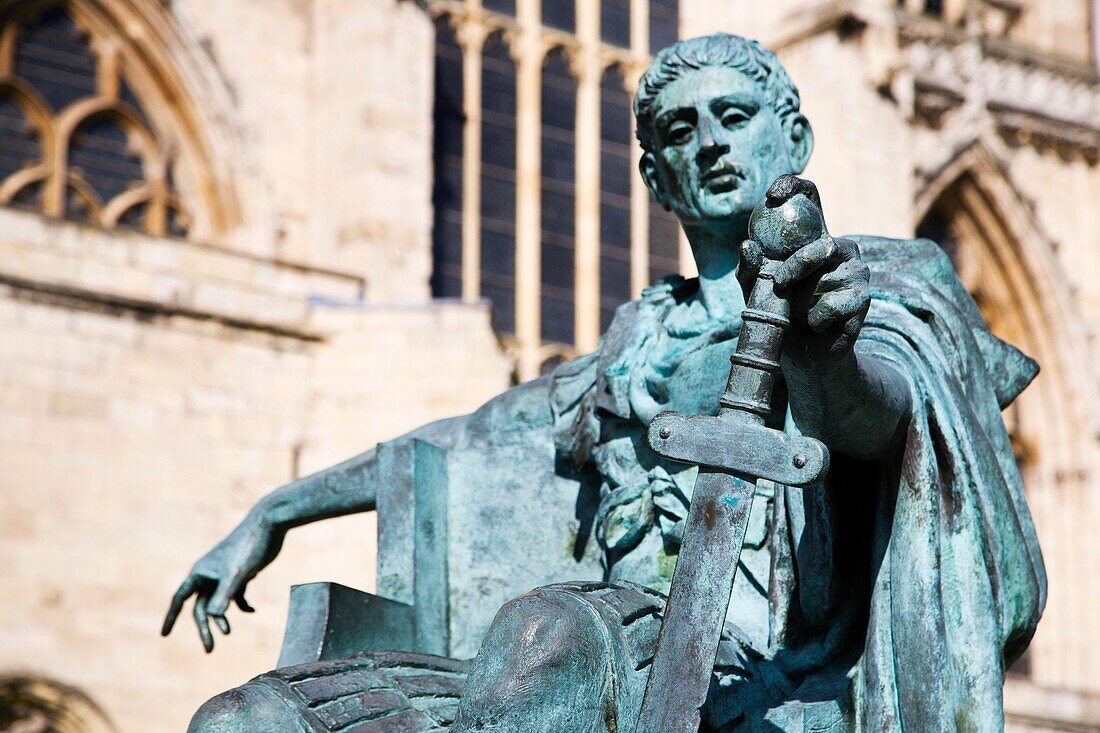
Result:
pixel 20 143
pixel 616 171
pixel 498 181
pixel 937 227
pixel 448 118
pixel 664 20
pixel 615 22
pixel 560 15
pixel 75 139
pixel 559 112
pixel 557 252
pixel 54 57
pixel 504 7
pixel 664 242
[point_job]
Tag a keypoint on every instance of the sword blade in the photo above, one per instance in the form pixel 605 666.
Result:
pixel 697 603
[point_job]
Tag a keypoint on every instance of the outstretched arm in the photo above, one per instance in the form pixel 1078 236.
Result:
pixel 346 488
pixel 222 574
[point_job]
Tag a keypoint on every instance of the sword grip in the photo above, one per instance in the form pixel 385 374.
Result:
pixel 756 361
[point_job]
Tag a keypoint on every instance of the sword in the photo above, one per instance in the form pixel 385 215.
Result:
pixel 732 450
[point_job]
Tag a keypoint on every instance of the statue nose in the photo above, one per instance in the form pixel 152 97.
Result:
pixel 711 144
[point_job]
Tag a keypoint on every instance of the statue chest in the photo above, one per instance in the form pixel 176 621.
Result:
pixel 699 379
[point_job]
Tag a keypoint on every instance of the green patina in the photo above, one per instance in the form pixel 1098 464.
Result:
pixel 888 597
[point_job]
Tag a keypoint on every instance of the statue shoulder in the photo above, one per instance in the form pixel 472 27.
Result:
pixel 920 275
pixel 900 265
pixel 921 257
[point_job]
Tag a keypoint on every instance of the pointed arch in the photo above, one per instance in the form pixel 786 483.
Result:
pixel 1010 266
pixel 30 702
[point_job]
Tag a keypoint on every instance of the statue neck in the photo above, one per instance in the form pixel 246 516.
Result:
pixel 716 256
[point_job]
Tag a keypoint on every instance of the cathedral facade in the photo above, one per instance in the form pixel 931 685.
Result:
pixel 242 241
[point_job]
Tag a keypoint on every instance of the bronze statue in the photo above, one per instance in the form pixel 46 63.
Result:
pixel 887 593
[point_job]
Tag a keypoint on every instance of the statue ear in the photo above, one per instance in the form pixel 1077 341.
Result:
pixel 651 174
pixel 800 140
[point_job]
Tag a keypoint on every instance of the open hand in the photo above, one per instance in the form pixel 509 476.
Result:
pixel 221 576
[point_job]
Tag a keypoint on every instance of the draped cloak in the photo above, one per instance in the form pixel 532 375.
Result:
pixel 897 593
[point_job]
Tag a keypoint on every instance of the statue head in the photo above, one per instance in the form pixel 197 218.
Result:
pixel 718 120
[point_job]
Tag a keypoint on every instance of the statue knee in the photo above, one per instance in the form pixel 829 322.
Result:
pixel 548 628
pixel 546 659
pixel 245 709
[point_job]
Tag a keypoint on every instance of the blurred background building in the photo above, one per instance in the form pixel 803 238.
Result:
pixel 240 241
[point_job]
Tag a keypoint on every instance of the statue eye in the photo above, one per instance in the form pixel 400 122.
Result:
pixel 733 117
pixel 679 132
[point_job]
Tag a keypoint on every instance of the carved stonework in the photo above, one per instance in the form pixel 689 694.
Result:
pixel 1028 99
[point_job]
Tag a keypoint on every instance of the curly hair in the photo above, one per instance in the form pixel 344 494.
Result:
pixel 720 49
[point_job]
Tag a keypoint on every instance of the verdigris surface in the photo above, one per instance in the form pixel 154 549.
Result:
pixel 887 594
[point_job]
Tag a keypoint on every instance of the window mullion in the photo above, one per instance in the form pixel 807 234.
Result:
pixel 107 68
pixel 472 38
pixel 587 226
pixel 529 56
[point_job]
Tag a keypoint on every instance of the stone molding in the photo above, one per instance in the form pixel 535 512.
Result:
pixel 1030 707
pixel 160 276
pixel 1030 99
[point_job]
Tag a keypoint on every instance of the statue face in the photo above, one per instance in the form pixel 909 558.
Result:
pixel 719 146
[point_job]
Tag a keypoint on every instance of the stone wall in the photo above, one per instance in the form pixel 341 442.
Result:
pixel 332 103
pixel 151 390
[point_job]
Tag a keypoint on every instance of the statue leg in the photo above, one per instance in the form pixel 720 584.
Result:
pixel 247 708
pixel 569 658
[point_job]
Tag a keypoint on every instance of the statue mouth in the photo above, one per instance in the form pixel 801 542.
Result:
pixel 723 178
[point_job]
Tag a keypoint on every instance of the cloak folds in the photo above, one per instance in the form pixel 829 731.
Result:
pixel 959 582
pixel 901 590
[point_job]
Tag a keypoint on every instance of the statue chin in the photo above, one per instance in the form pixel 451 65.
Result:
pixel 719 210
pixel 728 218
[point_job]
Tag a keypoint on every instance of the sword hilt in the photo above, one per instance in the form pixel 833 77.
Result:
pixel 756 361
pixel 789 218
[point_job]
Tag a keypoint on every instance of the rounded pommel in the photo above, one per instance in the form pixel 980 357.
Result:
pixel 788 218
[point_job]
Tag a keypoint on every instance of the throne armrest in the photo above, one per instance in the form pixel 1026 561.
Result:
pixel 332 621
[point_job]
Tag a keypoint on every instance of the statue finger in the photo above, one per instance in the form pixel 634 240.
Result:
pixel 810 259
pixel 219 600
pixel 845 275
pixel 853 326
pixel 242 604
pixel 221 622
pixel 748 267
pixel 836 307
pixel 787 185
pixel 203 623
pixel 187 587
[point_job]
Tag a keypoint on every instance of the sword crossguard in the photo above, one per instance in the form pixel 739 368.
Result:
pixel 742 448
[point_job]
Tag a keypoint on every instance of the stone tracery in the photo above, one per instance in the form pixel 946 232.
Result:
pixel 85 141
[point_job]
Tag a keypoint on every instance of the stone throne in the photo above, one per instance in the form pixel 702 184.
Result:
pixel 449 555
